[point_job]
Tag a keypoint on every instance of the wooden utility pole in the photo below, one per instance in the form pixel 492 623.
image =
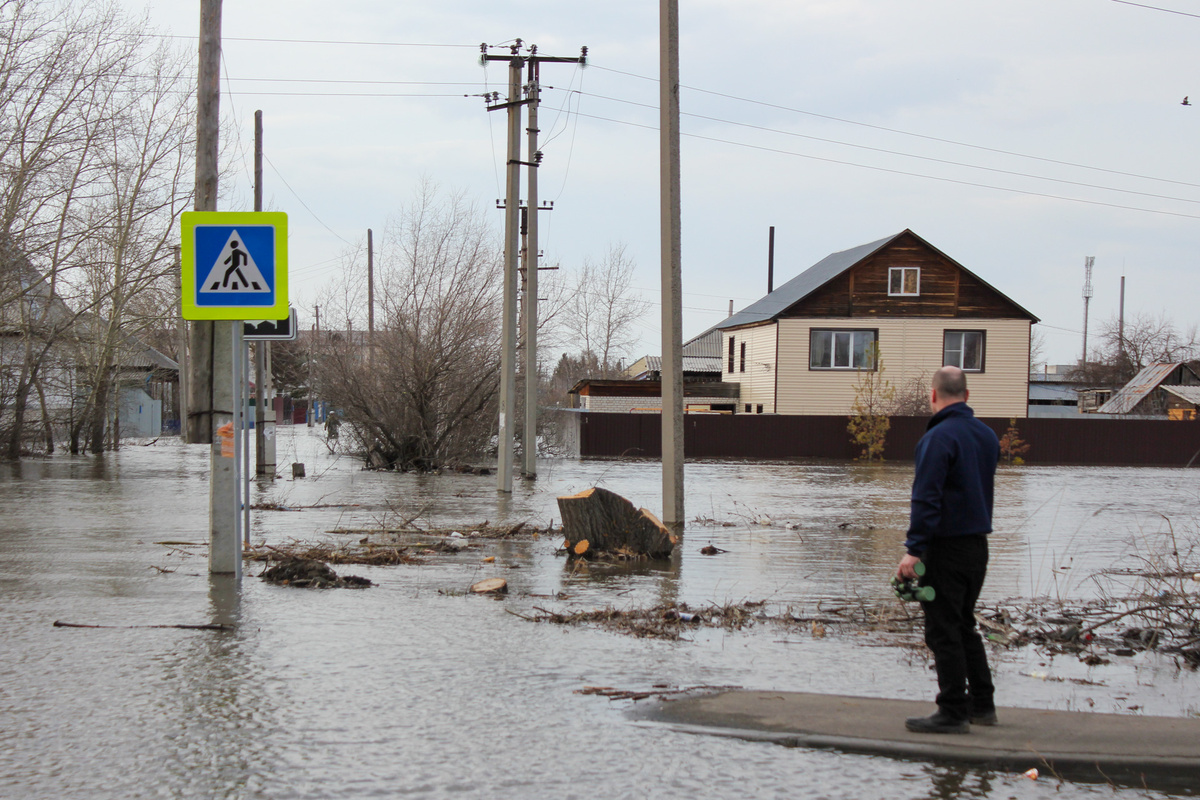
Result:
pixel 264 389
pixel 215 345
pixel 370 298
pixel 311 412
pixel 671 266
pixel 208 118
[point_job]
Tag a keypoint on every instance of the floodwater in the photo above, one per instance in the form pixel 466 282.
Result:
pixel 415 688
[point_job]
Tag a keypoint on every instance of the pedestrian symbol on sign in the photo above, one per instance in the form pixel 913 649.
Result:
pixel 234 271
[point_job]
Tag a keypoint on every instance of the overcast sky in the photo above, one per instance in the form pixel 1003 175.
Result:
pixel 1017 136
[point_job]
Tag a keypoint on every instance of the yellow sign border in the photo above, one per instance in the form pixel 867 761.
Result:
pixel 187 256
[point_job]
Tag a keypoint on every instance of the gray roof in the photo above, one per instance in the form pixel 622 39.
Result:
pixel 1052 391
pixel 804 284
pixel 690 364
pixel 706 345
pixel 1190 394
pixel 821 273
pixel 1136 390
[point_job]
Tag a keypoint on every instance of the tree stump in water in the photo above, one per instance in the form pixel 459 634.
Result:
pixel 608 523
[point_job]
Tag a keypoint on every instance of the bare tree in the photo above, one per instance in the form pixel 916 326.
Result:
pixel 874 397
pixel 68 76
pixel 129 265
pixel 425 395
pixel 1145 339
pixel 604 310
pixel 1037 349
pixel 911 398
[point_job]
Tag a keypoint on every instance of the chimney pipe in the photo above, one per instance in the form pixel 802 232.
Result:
pixel 771 261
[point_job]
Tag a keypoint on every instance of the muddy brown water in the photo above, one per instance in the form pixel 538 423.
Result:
pixel 415 688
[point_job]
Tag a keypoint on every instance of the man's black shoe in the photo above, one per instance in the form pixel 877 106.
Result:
pixel 937 723
pixel 984 717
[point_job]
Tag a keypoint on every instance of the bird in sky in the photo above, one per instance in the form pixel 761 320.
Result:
pixel 1185 101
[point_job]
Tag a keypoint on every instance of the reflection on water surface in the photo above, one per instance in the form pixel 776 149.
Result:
pixel 414 688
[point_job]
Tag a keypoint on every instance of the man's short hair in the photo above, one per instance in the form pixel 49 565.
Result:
pixel 950 382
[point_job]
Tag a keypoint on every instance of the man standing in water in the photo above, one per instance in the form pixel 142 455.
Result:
pixel 950 520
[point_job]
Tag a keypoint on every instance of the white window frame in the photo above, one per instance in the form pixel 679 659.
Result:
pixel 904 271
pixel 953 352
pixel 855 345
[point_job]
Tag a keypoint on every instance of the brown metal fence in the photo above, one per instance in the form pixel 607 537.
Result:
pixel 1132 442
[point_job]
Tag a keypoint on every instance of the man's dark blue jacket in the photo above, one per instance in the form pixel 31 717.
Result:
pixel 955 478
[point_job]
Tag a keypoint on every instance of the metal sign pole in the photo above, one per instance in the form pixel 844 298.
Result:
pixel 238 445
pixel 246 473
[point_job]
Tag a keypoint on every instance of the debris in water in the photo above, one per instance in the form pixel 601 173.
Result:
pixel 308 574
pixel 490 586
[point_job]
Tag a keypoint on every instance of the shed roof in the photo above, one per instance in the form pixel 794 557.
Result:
pixel 772 305
pixel 1134 392
pixel 1190 394
pixel 690 363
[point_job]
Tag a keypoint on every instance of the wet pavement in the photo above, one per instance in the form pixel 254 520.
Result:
pixel 1105 748
pixel 416 688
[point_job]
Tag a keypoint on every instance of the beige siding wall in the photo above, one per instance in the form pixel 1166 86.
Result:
pixel 758 381
pixel 908 347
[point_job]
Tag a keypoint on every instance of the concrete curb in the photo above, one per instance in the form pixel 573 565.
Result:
pixel 1160 752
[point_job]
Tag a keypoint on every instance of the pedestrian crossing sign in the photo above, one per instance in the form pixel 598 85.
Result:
pixel 234 265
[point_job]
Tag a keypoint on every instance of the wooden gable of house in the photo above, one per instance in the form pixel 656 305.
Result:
pixel 946 289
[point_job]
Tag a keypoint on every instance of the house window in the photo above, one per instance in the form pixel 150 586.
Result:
pixel 964 349
pixel 837 349
pixel 904 281
pixel 743 362
pixel 747 408
pixel 759 407
pixel 730 354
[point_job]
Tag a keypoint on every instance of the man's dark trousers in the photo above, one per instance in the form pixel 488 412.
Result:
pixel 955 567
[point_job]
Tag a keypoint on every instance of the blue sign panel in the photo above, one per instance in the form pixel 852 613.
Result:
pixel 235 265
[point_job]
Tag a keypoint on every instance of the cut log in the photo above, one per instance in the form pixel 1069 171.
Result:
pixel 490 586
pixel 604 522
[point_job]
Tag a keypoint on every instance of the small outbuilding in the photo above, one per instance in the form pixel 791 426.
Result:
pixel 1170 390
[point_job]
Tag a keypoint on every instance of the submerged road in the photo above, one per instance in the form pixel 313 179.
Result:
pixel 1118 748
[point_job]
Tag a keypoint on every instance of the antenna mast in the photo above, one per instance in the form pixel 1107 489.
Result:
pixel 1087 297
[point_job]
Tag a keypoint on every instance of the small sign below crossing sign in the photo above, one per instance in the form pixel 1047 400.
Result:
pixel 271 330
pixel 234 265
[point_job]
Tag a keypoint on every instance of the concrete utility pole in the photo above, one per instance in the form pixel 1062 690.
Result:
pixel 508 334
pixel 671 266
pixel 529 450
pixel 215 345
pixel 508 353
pixel 264 389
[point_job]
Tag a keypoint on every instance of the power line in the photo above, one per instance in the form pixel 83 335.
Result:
pixel 902 172
pixel 301 200
pixel 372 82
pixel 341 94
pixel 237 129
pixel 308 41
pixel 886 151
pixel 909 133
pixel 1156 8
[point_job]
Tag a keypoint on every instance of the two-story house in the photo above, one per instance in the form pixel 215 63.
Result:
pixel 799 349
